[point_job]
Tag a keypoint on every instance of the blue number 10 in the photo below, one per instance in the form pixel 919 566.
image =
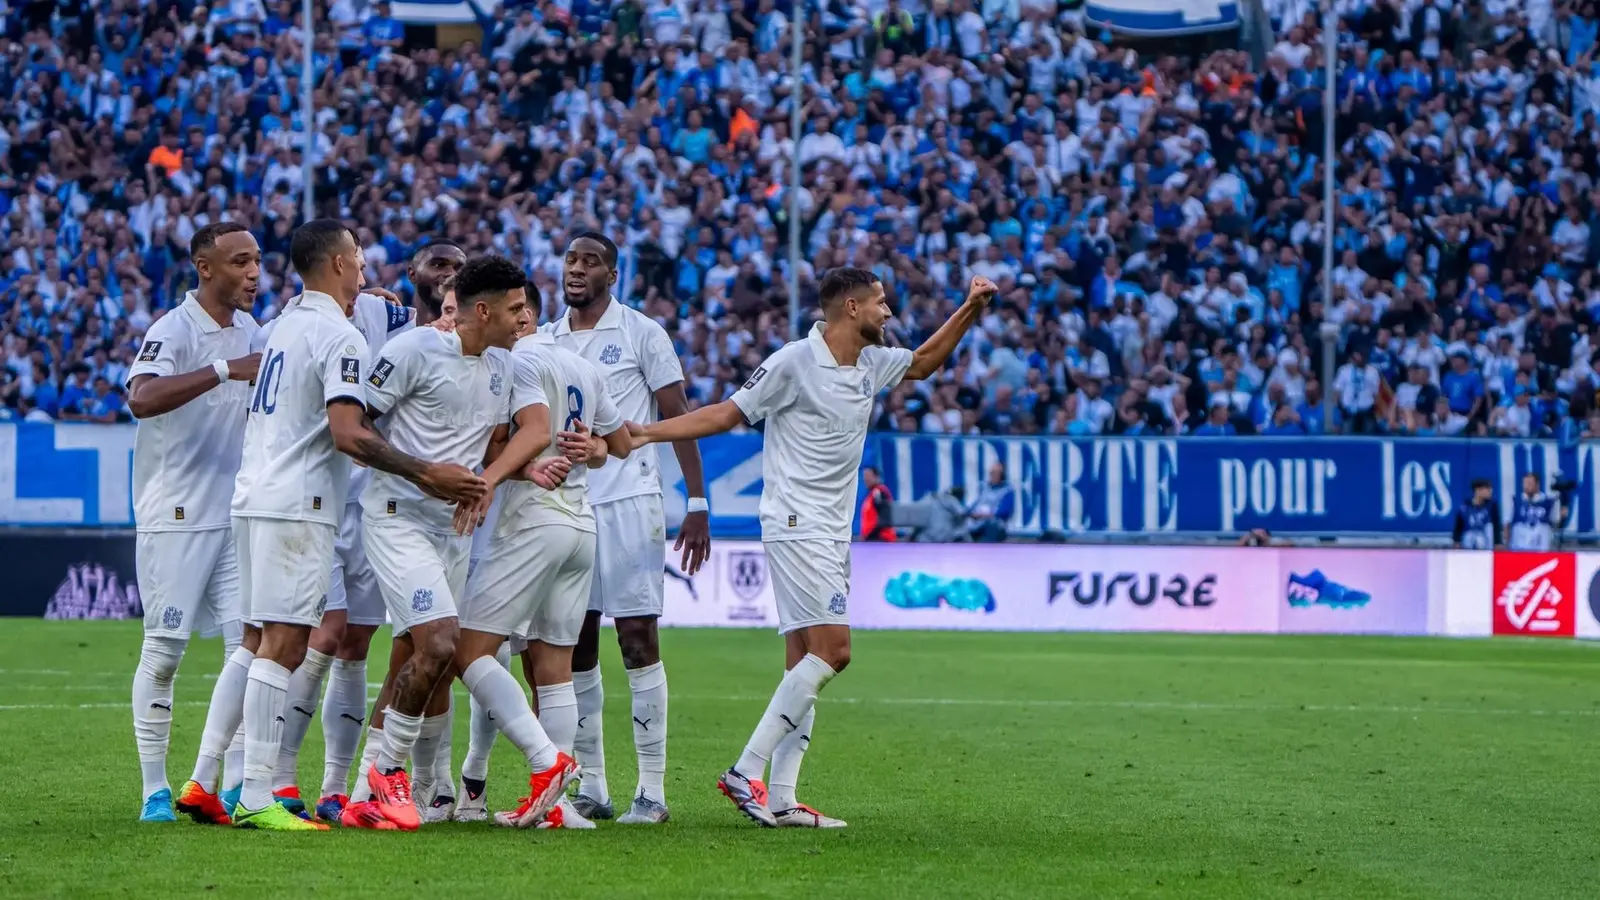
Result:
pixel 267 384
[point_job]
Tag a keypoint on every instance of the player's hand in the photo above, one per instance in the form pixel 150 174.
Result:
pixel 639 435
pixel 982 291
pixel 694 541
pixel 244 368
pixel 549 473
pixel 452 482
pixel 470 516
pixel 577 444
pixel 387 296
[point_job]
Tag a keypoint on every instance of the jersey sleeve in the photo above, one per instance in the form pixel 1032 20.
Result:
pixel 658 358
pixel 400 319
pixel 607 418
pixel 771 387
pixel 258 340
pixel 502 414
pixel 167 350
pixel 343 358
pixel 889 365
pixel 527 383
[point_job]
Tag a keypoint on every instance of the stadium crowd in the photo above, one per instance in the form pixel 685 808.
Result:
pixel 1154 222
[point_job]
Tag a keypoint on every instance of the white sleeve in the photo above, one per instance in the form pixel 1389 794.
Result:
pixel 341 369
pixel 167 350
pixel 658 358
pixel 527 383
pixel 771 387
pixel 889 365
pixel 607 418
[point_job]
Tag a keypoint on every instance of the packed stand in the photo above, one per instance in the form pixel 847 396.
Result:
pixel 1155 223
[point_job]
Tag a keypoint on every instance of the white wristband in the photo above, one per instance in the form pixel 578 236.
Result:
pixel 698 504
pixel 220 366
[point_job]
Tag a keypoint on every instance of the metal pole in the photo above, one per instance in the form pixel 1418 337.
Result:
pixel 1330 114
pixel 796 101
pixel 308 113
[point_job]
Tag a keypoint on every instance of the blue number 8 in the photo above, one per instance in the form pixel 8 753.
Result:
pixel 574 408
pixel 271 378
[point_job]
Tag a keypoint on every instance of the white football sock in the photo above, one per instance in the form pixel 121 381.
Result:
pixel 400 733
pixel 786 764
pixel 224 719
pixel 265 697
pixel 649 686
pixel 444 777
pixel 497 689
pixel 233 757
pixel 796 694
pixel 344 713
pixel 425 756
pixel 152 706
pixel 558 713
pixel 305 687
pixel 481 730
pixel 369 758
pixel 589 747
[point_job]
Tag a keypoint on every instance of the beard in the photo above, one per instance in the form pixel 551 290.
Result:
pixel 431 297
pixel 872 334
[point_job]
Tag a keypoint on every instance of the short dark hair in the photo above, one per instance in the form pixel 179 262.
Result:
pixel 437 245
pixel 842 281
pixel 488 274
pixel 1480 483
pixel 206 237
pixel 610 246
pixel 316 242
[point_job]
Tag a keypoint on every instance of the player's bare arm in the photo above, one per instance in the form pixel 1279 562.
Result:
pixel 717 418
pixel 694 535
pixel 582 446
pixel 155 395
pixel 930 357
pixel 355 436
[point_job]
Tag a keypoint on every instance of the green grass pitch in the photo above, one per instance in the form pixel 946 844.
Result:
pixel 968 765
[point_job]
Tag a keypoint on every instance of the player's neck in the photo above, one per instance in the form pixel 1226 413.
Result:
pixel 844 342
pixel 215 307
pixel 422 314
pixel 586 318
pixel 473 341
pixel 318 286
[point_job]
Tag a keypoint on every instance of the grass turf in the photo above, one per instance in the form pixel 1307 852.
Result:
pixel 968 765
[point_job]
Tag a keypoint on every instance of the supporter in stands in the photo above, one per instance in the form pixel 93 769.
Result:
pixel 1139 213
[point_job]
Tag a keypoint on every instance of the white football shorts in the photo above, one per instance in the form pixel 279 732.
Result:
pixel 630 557
pixel 810 581
pixel 284 569
pixel 534 584
pixel 188 581
pixel 420 573
pixel 353 588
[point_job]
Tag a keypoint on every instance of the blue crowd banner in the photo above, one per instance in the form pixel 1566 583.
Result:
pixel 1333 486
pixel 80 475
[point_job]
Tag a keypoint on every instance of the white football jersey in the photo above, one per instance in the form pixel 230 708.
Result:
pixel 551 375
pixel 439 405
pixel 378 320
pixel 636 357
pixel 185 461
pixel 290 468
pixel 817 413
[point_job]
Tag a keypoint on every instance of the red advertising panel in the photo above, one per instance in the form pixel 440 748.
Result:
pixel 1535 594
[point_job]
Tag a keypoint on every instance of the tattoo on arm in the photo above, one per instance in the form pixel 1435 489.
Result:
pixel 375 452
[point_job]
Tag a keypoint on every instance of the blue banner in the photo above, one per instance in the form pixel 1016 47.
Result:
pixel 79 475
pixel 1293 486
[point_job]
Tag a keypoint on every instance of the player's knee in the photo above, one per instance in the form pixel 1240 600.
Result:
pixel 435 650
pixel 159 657
pixel 327 637
pixel 638 641
pixel 834 652
pixel 355 643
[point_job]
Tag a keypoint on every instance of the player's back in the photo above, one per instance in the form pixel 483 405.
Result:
pixel 290 467
pixel 576 392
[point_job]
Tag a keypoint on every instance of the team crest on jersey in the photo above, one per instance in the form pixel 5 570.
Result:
pixel 496 384
pixel 611 355
pixel 350 370
pixel 866 386
pixel 836 604
pixel 422 600
pixel 747 574
pixel 150 351
pixel 380 372
pixel 172 617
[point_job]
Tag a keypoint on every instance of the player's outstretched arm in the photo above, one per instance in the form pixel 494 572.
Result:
pixel 355 436
pixel 156 395
pixel 694 535
pixel 703 422
pixel 931 356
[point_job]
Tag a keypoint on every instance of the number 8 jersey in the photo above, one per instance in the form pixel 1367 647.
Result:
pixel 575 391
pixel 290 468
